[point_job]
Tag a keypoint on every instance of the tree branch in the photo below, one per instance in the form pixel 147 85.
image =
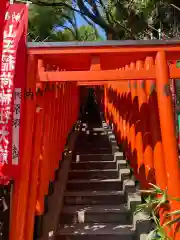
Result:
pixel 98 20
pixel 84 10
pixel 106 11
pixel 60 4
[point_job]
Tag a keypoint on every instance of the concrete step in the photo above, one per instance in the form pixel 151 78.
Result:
pixel 96 214
pixel 95 157
pixel 95 231
pixel 106 184
pixel 94 165
pixel 95 197
pixel 94 174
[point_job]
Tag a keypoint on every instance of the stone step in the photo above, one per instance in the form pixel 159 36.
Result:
pixel 94 165
pixel 89 149
pixel 96 133
pixel 91 138
pixel 95 231
pixel 98 165
pixel 94 138
pixel 106 184
pixel 100 196
pixel 95 197
pixel 94 129
pixel 87 137
pixel 86 150
pixel 96 214
pixel 92 149
pixel 98 129
pixel 95 145
pixel 95 157
pixel 94 174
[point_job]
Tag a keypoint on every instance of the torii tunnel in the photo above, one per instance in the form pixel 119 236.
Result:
pixel 131 81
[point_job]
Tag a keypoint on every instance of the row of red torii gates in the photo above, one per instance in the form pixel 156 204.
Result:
pixel 132 85
pixel 131 80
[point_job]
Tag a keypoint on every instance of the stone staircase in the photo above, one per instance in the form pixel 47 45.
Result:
pixel 100 195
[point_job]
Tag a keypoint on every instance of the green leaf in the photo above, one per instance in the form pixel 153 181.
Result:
pixel 173 221
pixel 178 64
pixel 177 212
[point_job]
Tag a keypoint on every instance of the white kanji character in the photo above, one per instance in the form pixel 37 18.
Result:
pixel 6 79
pixel 5 115
pixel 5 98
pixel 8 50
pixel 7 16
pixel 10 34
pixel 3 134
pixel 8 63
pixel 8 44
pixel 3 155
pixel 2 148
pixel 16 17
pixel 9 91
pixel 2 116
pixel 7 108
pixel 5 67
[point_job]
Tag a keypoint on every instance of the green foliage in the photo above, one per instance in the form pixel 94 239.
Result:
pixel 88 33
pixel 63 36
pixel 156 200
pixel 125 19
pixel 178 64
pixel 84 33
pixel 48 23
pixel 42 21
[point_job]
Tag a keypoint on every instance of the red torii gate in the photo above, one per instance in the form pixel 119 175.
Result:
pixel 129 71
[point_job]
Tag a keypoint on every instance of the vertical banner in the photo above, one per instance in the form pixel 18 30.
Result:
pixel 174 103
pixel 14 44
pixel 173 92
pixel 3 6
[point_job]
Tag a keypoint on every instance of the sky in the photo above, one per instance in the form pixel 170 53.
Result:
pixel 81 21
